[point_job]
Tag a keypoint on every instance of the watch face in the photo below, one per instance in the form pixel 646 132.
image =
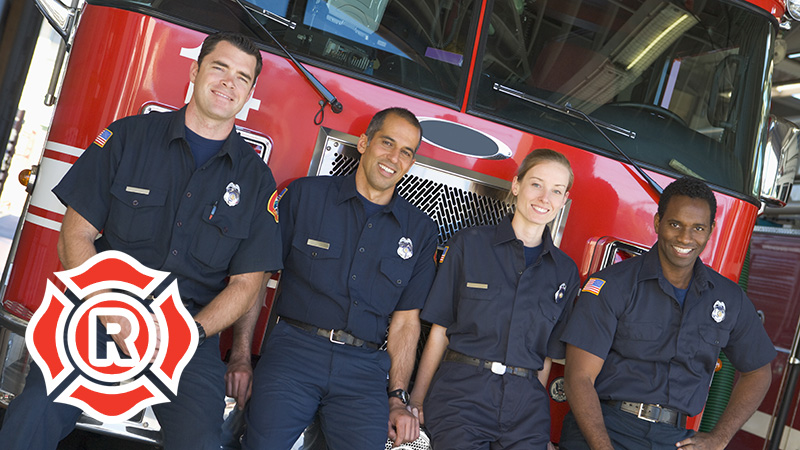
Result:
pixel 401 394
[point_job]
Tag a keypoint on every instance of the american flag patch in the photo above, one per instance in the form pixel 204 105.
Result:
pixel 444 253
pixel 103 137
pixel 593 285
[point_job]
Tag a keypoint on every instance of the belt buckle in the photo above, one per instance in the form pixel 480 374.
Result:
pixel 641 409
pixel 498 368
pixel 330 338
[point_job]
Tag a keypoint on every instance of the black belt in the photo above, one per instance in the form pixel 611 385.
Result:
pixel 650 412
pixel 494 366
pixel 335 336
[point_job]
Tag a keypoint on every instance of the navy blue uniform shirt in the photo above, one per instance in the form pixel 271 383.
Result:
pixel 141 189
pixel 654 350
pixel 495 308
pixel 344 270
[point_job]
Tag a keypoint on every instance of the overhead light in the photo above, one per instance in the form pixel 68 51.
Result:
pixel 786 88
pixel 658 32
pixel 794 55
pixel 656 41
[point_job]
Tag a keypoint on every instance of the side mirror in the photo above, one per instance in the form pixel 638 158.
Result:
pixel 60 16
pixel 780 161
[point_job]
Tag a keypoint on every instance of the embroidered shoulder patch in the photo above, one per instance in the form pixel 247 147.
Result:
pixel 593 285
pixel 103 137
pixel 272 204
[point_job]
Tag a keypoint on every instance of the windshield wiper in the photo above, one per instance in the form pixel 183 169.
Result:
pixel 570 111
pixel 561 109
pixel 328 97
pixel 272 16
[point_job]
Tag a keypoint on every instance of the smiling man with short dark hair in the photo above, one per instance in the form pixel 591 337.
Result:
pixel 183 193
pixel 355 253
pixel 645 335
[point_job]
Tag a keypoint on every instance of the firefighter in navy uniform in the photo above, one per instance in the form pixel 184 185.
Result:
pixel 181 192
pixel 500 295
pixel 645 334
pixel 355 252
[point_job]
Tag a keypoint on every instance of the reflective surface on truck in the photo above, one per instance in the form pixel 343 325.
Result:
pixel 686 79
pixel 681 86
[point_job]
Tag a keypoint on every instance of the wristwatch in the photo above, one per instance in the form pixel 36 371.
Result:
pixel 401 394
pixel 201 333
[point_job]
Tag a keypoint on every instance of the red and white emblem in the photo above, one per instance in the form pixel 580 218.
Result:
pixel 111 272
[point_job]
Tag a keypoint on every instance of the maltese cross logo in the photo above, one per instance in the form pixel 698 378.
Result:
pixel 119 284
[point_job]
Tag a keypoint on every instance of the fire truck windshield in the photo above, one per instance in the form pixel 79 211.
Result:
pixel 414 45
pixel 681 84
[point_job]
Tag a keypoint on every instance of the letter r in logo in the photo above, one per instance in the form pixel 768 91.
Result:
pixel 112 328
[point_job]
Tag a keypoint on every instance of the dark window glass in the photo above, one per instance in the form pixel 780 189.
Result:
pixel 676 85
pixel 421 47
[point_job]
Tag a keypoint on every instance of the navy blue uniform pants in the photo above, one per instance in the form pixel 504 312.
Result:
pixel 299 374
pixel 471 408
pixel 627 432
pixel 190 421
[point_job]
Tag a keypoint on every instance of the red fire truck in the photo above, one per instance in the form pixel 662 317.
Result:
pixel 634 92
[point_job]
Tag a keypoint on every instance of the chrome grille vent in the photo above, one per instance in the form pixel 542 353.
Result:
pixel 453 197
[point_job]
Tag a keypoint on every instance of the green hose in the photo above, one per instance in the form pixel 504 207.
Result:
pixel 744 277
pixel 718 395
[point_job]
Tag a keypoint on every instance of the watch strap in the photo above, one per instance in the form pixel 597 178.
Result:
pixel 401 394
pixel 201 333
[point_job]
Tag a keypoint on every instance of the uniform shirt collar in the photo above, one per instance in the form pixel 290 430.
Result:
pixel 348 191
pixel 177 131
pixel 505 233
pixel 651 269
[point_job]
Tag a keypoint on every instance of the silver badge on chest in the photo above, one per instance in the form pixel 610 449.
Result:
pixel 405 248
pixel 232 194
pixel 560 292
pixel 718 313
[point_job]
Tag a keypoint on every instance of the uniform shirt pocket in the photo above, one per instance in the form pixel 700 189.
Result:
pixel 395 273
pixel 700 351
pixel 640 331
pixel 550 311
pixel 543 321
pixel 218 238
pixel 135 212
pixel 315 260
pixel 640 340
pixel 715 336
